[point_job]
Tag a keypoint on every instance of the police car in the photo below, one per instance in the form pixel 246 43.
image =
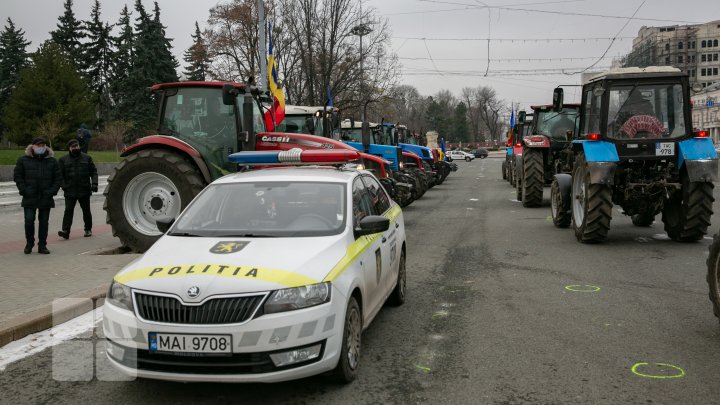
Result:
pixel 268 275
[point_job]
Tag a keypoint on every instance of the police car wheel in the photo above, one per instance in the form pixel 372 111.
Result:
pixel 346 369
pixel 467 159
pixel 397 297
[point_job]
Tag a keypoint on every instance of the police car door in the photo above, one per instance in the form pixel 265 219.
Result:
pixel 388 240
pixel 371 258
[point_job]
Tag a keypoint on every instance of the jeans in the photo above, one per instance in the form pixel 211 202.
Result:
pixel 70 210
pixel 43 218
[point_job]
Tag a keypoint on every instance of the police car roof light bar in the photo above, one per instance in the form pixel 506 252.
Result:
pixel 294 156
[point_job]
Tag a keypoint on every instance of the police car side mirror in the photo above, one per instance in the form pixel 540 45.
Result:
pixel 372 224
pixel 164 224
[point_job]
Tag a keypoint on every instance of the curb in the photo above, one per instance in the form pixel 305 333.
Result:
pixel 44 317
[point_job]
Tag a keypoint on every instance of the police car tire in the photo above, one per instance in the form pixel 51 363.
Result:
pixel 467 159
pixel 533 178
pixel 713 267
pixel 687 213
pixel 182 173
pixel 397 297
pixel 344 372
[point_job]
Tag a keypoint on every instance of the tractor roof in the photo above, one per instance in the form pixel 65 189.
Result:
pixel 304 110
pixel 550 106
pixel 162 86
pixel 636 72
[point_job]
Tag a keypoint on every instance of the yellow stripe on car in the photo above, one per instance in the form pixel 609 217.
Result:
pixel 359 246
pixel 281 277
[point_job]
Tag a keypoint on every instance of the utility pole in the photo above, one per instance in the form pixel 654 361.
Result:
pixel 361 30
pixel 262 83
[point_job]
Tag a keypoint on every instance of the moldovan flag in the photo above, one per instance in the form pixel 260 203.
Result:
pixel 277 111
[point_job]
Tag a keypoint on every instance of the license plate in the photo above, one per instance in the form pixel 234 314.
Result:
pixel 171 342
pixel 665 149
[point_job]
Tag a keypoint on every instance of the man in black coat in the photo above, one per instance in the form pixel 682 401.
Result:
pixel 79 181
pixel 37 176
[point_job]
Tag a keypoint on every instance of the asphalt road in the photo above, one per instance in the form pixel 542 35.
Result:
pixel 489 319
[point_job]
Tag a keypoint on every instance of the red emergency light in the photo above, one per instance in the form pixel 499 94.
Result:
pixel 701 134
pixel 593 137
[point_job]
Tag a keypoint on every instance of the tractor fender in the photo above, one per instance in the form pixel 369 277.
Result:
pixel 699 157
pixel 564 182
pixel 174 144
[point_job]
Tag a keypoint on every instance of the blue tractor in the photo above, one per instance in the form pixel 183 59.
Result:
pixel 635 147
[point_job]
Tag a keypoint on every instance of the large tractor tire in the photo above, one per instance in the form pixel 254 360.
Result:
pixel 713 275
pixel 591 205
pixel 511 174
pixel 533 178
pixel 146 186
pixel 504 170
pixel 561 215
pixel 687 213
pixel 518 186
pixel 643 220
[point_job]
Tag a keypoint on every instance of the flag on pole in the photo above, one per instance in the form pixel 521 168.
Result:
pixel 329 97
pixel 512 122
pixel 277 111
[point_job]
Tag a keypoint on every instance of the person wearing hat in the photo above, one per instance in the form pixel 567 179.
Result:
pixel 37 176
pixel 79 181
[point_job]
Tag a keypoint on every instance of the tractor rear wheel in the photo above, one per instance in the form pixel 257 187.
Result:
pixel 713 275
pixel 591 205
pixel 533 178
pixel 504 170
pixel 687 213
pixel 560 215
pixel 146 186
pixel 643 220
pixel 518 186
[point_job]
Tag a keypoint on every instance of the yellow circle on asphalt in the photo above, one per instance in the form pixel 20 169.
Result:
pixel 681 372
pixel 582 288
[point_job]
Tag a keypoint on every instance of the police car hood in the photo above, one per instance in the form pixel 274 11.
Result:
pixel 229 266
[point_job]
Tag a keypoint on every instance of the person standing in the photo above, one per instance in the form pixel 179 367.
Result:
pixel 83 137
pixel 37 176
pixel 79 181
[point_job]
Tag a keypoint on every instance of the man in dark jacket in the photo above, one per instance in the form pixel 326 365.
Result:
pixel 79 180
pixel 37 176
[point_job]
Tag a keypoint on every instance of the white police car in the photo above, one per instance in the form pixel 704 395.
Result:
pixel 268 275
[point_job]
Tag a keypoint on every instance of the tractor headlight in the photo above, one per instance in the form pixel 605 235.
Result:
pixel 402 165
pixel 120 295
pixel 291 299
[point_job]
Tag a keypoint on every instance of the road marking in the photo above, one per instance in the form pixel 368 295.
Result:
pixel 661 236
pixel 659 377
pixel 582 288
pixel 474 199
pixel 423 368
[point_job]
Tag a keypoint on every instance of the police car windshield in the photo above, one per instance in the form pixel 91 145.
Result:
pixel 266 209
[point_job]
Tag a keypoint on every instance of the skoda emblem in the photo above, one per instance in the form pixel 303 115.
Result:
pixel 193 291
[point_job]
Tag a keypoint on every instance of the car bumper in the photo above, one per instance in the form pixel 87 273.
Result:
pixel 252 344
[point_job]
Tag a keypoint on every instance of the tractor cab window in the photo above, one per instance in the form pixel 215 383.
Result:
pixel 295 124
pixel 556 124
pixel 351 134
pixel 592 103
pixel 646 111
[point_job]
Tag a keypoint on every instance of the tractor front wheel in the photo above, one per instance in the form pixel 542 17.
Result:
pixel 687 213
pixel 146 186
pixel 560 215
pixel 591 205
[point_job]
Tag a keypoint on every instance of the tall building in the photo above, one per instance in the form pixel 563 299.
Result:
pixel 691 48
pixel 706 111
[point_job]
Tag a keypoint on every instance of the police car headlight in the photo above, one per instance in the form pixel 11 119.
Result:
pixel 120 295
pixel 291 299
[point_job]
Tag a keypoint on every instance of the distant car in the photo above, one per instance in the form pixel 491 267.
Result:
pixel 460 155
pixel 480 153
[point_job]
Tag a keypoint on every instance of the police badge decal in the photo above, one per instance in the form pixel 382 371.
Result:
pixel 228 247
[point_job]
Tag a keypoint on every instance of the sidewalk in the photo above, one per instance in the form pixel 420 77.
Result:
pixel 31 282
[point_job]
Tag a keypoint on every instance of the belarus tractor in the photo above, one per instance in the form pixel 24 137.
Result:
pixel 200 124
pixel 635 147
pixel 542 149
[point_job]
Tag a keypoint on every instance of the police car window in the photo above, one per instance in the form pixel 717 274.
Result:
pixel 361 202
pixel 378 198
pixel 265 209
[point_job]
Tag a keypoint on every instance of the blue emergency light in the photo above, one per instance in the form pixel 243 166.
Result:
pixel 295 156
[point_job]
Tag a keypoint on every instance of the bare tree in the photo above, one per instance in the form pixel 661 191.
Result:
pixel 50 126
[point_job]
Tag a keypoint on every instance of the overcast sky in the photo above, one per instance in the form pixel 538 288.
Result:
pixel 454 52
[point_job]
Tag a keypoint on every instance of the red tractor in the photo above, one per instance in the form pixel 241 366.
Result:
pixel 199 125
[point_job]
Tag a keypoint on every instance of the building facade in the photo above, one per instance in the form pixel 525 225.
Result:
pixel 706 111
pixel 694 49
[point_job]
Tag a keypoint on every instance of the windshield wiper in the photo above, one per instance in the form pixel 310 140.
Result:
pixel 184 234
pixel 244 235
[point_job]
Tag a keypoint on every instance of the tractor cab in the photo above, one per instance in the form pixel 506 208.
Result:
pixel 321 121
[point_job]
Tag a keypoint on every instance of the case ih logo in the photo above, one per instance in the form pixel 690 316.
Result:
pixel 228 247
pixel 275 139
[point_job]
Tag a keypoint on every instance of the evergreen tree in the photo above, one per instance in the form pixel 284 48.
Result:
pixel 460 123
pixel 166 64
pixel 120 86
pixel 68 35
pixel 197 58
pixel 98 60
pixel 13 57
pixel 49 90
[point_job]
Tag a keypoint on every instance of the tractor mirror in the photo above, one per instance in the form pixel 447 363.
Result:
pixel 229 94
pixel 521 117
pixel 558 97
pixel 366 135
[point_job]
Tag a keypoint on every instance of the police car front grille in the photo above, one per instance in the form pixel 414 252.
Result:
pixel 216 311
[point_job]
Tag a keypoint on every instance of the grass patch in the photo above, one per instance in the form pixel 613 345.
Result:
pixel 10 156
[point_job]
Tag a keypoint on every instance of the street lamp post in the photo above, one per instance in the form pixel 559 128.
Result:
pixel 361 30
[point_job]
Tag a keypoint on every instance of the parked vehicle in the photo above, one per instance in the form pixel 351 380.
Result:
pixel 480 153
pixel 635 147
pixel 459 155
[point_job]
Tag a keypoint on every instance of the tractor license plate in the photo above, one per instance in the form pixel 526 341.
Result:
pixel 665 149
